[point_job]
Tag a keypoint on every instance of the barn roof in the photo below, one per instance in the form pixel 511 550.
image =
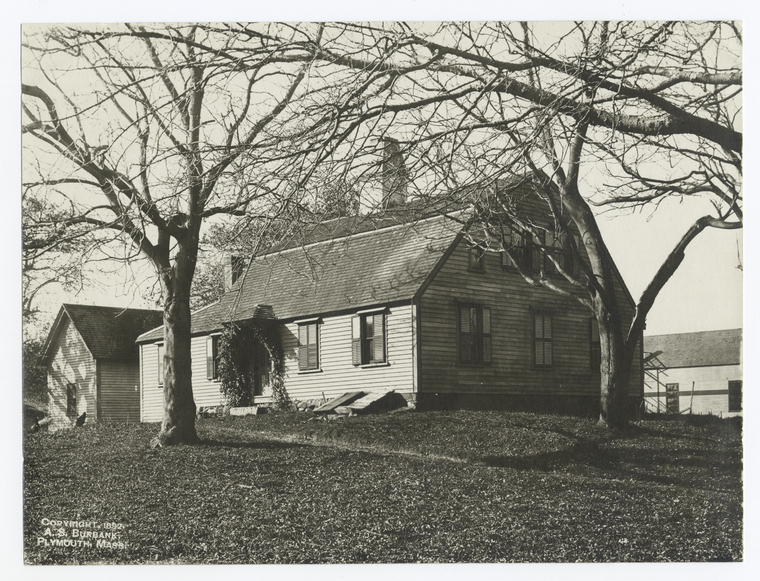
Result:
pixel 701 349
pixel 362 269
pixel 108 332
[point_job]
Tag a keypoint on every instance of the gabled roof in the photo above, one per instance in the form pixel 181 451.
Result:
pixel 108 332
pixel 370 268
pixel 701 349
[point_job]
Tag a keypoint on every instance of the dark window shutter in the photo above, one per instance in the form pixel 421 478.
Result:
pixel 552 245
pixel 538 334
pixel 537 260
pixel 356 341
pixel 486 335
pixel 542 332
pixel 210 358
pixel 378 355
pixel 465 334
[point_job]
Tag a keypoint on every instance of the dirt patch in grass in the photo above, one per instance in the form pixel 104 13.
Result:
pixel 407 487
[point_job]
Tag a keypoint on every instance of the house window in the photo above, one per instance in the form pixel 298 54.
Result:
pixel 474 334
pixel 596 347
pixel 475 257
pixel 212 357
pixel 308 346
pixel 734 396
pixel 571 260
pixel 160 364
pixel 543 339
pixel 71 400
pixel 538 255
pixel 518 245
pixel 671 398
pixel 368 338
pixel 554 243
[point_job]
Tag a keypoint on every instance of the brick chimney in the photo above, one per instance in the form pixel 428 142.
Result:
pixel 395 175
pixel 234 267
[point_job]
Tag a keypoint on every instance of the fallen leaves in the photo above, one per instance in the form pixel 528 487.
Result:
pixel 415 487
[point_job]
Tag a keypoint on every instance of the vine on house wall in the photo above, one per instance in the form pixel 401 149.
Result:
pixel 236 345
pixel 234 369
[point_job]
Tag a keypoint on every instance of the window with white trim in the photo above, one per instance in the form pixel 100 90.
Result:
pixel 71 400
pixel 308 346
pixel 368 338
pixel 160 363
pixel 212 357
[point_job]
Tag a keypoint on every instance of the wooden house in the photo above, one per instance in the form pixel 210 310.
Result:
pixel 93 364
pixel 417 306
pixel 698 373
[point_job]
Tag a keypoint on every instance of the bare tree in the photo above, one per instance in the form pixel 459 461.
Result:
pixel 178 125
pixel 139 135
pixel 594 114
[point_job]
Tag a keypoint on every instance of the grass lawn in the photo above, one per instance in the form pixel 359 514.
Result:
pixel 431 487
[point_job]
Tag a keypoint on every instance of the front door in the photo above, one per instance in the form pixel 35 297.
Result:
pixel 260 359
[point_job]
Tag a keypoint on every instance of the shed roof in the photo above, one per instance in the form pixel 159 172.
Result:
pixel 349 272
pixel 701 349
pixel 108 332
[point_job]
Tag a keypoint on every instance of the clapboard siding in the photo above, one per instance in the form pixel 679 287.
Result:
pixel 205 392
pixel 72 363
pixel 151 391
pixel 119 390
pixel 337 374
pixel 511 300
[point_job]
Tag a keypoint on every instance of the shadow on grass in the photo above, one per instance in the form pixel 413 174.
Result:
pixel 258 445
pixel 662 466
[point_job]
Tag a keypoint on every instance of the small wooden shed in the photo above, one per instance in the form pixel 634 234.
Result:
pixel 93 363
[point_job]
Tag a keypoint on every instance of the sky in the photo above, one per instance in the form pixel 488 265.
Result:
pixel 705 293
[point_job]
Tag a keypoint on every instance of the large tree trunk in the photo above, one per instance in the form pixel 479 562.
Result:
pixel 615 369
pixel 178 426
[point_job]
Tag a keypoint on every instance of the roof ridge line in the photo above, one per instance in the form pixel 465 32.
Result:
pixel 359 234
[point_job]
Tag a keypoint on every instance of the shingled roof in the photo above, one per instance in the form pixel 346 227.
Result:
pixel 108 332
pixel 700 349
pixel 349 272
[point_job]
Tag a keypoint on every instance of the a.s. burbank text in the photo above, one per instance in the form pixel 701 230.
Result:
pixel 81 534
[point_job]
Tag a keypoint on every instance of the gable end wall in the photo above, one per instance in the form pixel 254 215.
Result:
pixel 71 363
pixel 512 371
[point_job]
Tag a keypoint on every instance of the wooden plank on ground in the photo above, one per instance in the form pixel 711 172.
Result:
pixel 342 400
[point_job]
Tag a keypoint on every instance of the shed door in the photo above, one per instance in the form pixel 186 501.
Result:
pixel 671 398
